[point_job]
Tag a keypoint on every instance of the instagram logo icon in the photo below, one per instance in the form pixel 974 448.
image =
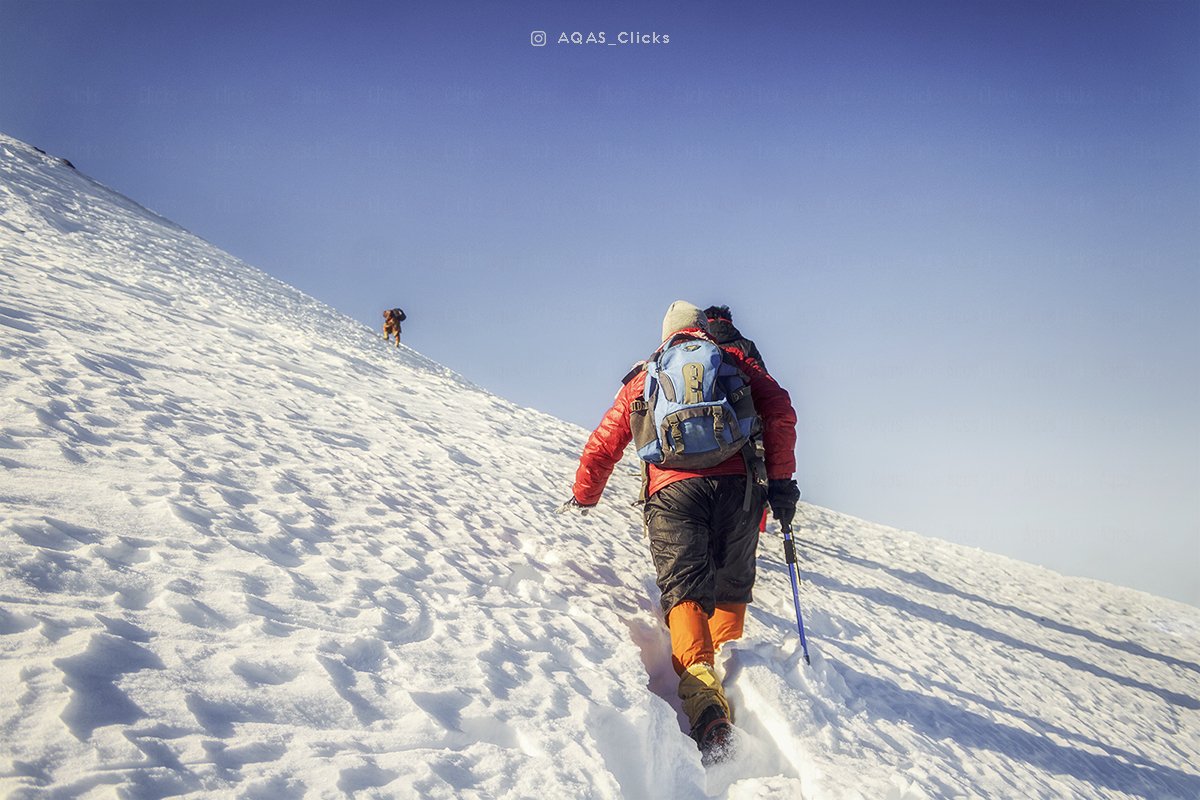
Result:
pixel 538 38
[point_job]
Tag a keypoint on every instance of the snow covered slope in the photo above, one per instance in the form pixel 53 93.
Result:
pixel 248 550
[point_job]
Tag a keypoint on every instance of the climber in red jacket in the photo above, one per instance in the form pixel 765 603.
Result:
pixel 702 523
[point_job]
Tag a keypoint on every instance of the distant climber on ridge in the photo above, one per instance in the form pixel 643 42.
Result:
pixel 391 323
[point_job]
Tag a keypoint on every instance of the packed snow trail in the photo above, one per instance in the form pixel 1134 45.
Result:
pixel 250 551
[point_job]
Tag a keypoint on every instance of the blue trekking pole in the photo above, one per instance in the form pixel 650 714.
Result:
pixel 789 551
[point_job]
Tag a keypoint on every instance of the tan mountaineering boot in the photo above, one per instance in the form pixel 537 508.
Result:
pixel 706 707
pixel 699 688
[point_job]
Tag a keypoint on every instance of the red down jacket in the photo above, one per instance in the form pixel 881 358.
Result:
pixel 607 443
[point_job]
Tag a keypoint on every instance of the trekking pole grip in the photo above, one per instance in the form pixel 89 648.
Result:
pixel 789 545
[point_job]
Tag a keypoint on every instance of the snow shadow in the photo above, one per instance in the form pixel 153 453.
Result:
pixel 654 646
pixel 1041 725
pixel 923 581
pixel 92 675
pixel 344 683
pixel 942 720
pixel 366 777
pixel 940 617
pixel 15 319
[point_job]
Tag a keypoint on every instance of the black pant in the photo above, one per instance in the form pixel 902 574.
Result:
pixel 704 541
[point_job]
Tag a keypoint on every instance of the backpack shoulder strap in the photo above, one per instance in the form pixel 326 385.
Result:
pixel 633 371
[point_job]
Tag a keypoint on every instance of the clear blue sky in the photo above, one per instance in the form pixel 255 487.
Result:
pixel 966 235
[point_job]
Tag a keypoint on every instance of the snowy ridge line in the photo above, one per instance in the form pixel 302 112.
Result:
pixel 54 162
pixel 249 550
pixel 272 301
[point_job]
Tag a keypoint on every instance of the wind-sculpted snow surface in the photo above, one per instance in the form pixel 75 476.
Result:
pixel 249 550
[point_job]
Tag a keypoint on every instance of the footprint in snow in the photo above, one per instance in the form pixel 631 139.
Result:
pixel 368 776
pixel 265 673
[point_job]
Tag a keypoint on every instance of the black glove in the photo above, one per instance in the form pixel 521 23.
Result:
pixel 782 495
pixel 575 505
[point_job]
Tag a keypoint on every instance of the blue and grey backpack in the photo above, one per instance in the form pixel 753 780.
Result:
pixel 696 411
